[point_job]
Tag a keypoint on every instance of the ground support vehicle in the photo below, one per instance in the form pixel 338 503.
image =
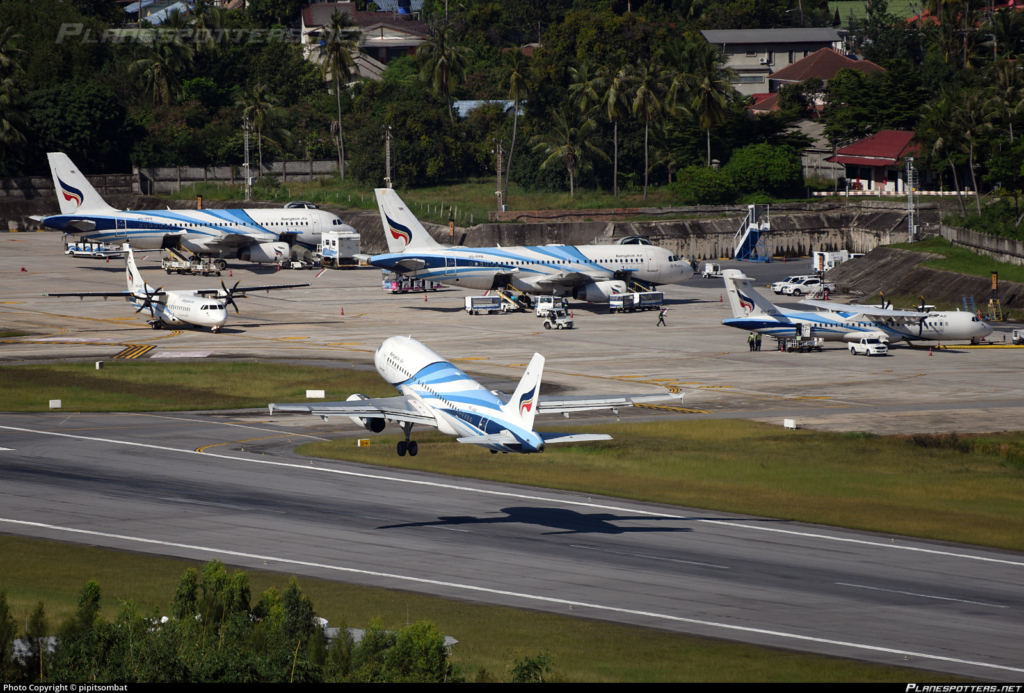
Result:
pixel 483 304
pixel 543 305
pixel 869 346
pixel 777 286
pixel 559 320
pixel 1017 337
pixel 800 344
pixel 338 248
pixel 301 264
pixel 810 286
pixel 194 265
pixel 711 269
pixel 631 302
pixel 400 285
pixel 93 250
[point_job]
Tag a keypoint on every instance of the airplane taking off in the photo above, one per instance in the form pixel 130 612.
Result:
pixel 841 322
pixel 436 393
pixel 590 273
pixel 202 308
pixel 250 235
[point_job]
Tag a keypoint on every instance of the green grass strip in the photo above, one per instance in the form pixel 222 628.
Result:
pixel 964 261
pixel 882 484
pixel 490 637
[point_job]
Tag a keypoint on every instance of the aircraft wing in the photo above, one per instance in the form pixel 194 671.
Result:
pixel 105 294
pixel 392 408
pixel 235 240
pixel 564 279
pixel 867 311
pixel 560 405
pixel 244 289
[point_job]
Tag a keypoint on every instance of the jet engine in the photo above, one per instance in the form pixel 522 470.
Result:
pixel 373 425
pixel 264 252
pixel 598 292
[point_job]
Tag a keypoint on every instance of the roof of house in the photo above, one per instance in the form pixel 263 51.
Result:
pixel 765 103
pixel 320 14
pixel 884 148
pixel 823 64
pixel 792 35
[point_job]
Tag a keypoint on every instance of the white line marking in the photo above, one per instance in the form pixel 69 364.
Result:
pixel 520 595
pixel 522 496
pixel 926 596
pixel 640 555
pixel 7 450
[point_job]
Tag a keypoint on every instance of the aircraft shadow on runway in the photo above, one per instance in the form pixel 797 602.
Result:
pixel 558 519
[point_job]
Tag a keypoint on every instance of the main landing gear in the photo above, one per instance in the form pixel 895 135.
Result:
pixel 407 445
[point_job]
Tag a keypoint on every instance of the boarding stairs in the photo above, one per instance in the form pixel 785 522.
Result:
pixel 513 299
pixel 969 306
pixel 639 286
pixel 752 241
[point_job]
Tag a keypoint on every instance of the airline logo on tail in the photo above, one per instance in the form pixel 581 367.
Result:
pixel 399 232
pixel 745 302
pixel 71 194
pixel 526 402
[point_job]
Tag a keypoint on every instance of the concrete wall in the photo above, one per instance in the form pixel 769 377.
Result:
pixel 38 187
pixel 166 180
pixel 1002 249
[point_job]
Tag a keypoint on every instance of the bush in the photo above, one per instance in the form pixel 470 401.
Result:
pixel 704 186
pixel 763 168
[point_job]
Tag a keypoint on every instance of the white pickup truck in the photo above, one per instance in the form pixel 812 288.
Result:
pixel 811 285
pixel 777 286
pixel 869 346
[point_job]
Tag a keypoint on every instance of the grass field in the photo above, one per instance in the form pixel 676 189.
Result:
pixel 963 260
pixel 12 333
pixel 882 484
pixel 131 386
pixel 858 9
pixel 489 637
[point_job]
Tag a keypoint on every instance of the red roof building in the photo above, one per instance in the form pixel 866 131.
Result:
pixel 873 163
pixel 823 64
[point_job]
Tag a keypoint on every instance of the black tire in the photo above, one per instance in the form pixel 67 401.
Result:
pixel 798 292
pixel 413 448
pixel 401 448
pixel 547 326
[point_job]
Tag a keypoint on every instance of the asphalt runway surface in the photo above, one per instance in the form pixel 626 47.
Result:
pixel 136 481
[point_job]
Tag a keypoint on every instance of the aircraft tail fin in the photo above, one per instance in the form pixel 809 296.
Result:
pixel 743 299
pixel 136 284
pixel 524 400
pixel 402 229
pixel 74 191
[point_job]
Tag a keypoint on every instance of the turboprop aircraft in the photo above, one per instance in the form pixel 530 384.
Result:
pixel 590 273
pixel 250 235
pixel 844 323
pixel 200 307
pixel 436 393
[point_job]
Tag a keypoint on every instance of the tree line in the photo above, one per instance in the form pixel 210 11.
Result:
pixel 214 633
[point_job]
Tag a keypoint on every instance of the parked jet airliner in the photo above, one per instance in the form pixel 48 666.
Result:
pixel 436 393
pixel 590 273
pixel 841 322
pixel 201 307
pixel 250 235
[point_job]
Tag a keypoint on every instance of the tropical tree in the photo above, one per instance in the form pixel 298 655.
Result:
pixel 615 102
pixel 973 116
pixel 585 85
pixel 340 40
pixel 262 111
pixel 9 52
pixel 514 74
pixel 443 63
pixel 10 116
pixel 709 89
pixel 1007 91
pixel 649 82
pixel 159 67
pixel 570 139
pixel 940 136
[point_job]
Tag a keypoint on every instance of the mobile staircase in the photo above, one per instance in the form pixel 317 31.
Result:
pixel 752 241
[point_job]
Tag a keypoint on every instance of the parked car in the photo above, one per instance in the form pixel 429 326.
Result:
pixel 869 346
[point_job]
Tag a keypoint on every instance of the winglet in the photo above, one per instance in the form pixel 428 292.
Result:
pixel 523 403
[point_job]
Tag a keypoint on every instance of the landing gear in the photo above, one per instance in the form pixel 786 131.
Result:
pixel 407 445
pixel 156 324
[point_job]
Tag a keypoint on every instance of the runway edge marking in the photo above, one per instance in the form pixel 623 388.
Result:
pixel 520 595
pixel 523 496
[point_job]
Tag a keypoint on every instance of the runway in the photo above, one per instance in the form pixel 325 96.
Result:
pixel 136 482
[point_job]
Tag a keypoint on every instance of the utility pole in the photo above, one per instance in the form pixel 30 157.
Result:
pixel 247 128
pixel 387 155
pixel 913 198
pixel 497 148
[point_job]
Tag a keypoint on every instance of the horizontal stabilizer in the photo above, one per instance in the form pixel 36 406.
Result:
pixel 561 405
pixel 498 439
pixel 573 437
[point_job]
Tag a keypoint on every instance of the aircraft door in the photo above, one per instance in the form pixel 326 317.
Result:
pixel 652 259
pixel 121 224
pixel 449 265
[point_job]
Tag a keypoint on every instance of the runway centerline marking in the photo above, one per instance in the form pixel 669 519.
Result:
pixel 926 596
pixel 519 595
pixel 640 555
pixel 523 496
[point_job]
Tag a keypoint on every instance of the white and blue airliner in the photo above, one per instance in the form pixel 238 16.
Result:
pixel 591 273
pixel 839 322
pixel 251 235
pixel 436 393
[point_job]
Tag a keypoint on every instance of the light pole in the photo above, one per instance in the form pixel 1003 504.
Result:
pixel 498 149
pixel 247 128
pixel 387 155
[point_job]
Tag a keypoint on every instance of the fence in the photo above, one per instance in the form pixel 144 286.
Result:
pixel 37 187
pixel 1002 249
pixel 166 180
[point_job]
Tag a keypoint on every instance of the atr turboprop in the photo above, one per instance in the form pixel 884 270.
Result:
pixel 198 307
pixel 844 323
pixel 590 273
pixel 250 235
pixel 436 393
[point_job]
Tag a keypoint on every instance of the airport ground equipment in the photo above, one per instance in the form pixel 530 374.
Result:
pixel 777 286
pixel 301 264
pixel 475 305
pixel 1017 337
pixel 339 248
pixel 799 344
pixel 513 300
pixel 752 241
pixel 810 287
pixel 824 261
pixel 398 284
pixel 868 346
pixel 545 304
pixel 711 269
pixel 558 319
pixel 181 261
pixel 634 301
pixel 98 251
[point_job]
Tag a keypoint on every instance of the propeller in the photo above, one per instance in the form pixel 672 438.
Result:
pixel 147 302
pixel 228 296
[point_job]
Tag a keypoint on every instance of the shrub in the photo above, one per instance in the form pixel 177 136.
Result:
pixel 701 185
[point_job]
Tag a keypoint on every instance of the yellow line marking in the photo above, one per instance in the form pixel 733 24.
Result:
pixel 7 303
pixel 248 440
pixel 676 409
pixel 474 358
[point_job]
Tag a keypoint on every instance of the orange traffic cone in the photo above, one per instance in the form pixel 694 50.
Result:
pixel 929 351
pixel 343 312
pixel 231 273
pixel 23 269
pixel 719 298
pixel 424 298
pixel 108 260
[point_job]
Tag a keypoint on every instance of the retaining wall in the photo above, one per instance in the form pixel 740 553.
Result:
pixel 1002 249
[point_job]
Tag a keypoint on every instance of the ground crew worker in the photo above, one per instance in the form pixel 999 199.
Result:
pixel 661 317
pixel 750 341
pixel 757 342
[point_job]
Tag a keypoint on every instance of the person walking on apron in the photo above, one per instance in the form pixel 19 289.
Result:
pixel 757 342
pixel 750 341
pixel 661 318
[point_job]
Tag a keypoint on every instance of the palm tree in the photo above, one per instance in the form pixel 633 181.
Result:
pixel 973 116
pixel 1007 91
pixel 615 102
pixel 204 20
pixel 585 86
pixel 569 138
pixel 9 53
pixel 709 89
pixel 10 117
pixel 514 74
pixel 444 63
pixel 649 90
pixel 158 68
pixel 940 136
pixel 261 109
pixel 337 44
